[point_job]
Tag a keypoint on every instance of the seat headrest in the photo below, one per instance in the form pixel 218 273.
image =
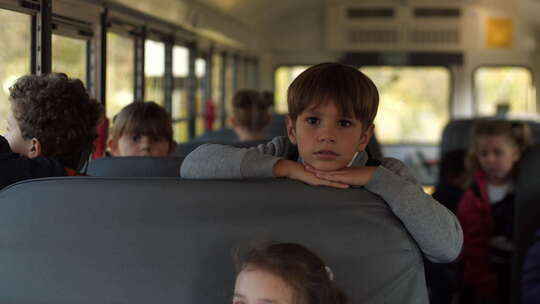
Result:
pixel 135 166
pixel 457 134
pixel 527 204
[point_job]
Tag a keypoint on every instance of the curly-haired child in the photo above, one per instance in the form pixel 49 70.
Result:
pixel 51 128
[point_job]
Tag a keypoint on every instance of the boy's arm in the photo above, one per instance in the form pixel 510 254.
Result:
pixel 435 229
pixel 211 161
pixel 276 158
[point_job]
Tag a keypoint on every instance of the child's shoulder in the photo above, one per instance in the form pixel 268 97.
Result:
pixel 4 145
pixel 399 168
pixel 393 164
pixel 280 146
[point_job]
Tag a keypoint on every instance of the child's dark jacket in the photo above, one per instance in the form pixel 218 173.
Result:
pixel 15 167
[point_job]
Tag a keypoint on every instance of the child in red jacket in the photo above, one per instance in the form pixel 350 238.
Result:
pixel 486 210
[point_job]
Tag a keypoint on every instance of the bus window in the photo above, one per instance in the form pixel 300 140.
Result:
pixel 229 83
pixel 504 90
pixel 216 88
pixel 413 104
pixel 120 58
pixel 200 74
pixel 240 74
pixel 180 99
pixel 154 70
pixel 283 76
pixel 15 58
pixel 69 56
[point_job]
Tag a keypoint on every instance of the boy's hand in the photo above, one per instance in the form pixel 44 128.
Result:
pixel 353 176
pixel 296 171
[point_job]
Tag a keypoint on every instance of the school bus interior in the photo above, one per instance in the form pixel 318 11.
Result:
pixel 135 232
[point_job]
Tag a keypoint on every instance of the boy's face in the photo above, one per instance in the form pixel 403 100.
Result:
pixel 140 145
pixel 13 135
pixel 327 140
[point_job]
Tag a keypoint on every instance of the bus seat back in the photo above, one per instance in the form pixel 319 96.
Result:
pixel 106 240
pixel 527 215
pixel 135 166
pixel 457 134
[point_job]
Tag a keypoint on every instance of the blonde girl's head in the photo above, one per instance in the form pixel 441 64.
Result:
pixel 497 145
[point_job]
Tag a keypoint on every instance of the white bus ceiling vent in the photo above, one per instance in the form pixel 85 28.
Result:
pixel 360 36
pixel 388 25
pixel 437 36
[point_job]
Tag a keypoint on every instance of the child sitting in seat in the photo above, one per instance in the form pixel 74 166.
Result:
pixel 142 129
pixel 250 115
pixel 51 126
pixel 285 273
pixel 486 210
pixel 331 112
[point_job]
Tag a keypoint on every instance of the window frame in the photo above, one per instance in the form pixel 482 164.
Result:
pixel 93 21
pixel 475 95
pixel 79 30
pixel 449 107
pixel 287 65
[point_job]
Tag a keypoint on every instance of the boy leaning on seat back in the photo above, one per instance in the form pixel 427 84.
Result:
pixel 331 112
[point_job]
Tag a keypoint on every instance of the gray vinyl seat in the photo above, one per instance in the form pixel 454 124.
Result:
pixel 104 240
pixel 527 217
pixel 457 133
pixel 135 166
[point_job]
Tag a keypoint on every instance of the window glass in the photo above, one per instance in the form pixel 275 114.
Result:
pixel 200 74
pixel 15 59
pixel 248 77
pixel 413 104
pixel 229 83
pixel 504 89
pixel 240 74
pixel 180 98
pixel 251 74
pixel 120 74
pixel 283 76
pixel 154 71
pixel 69 56
pixel 216 88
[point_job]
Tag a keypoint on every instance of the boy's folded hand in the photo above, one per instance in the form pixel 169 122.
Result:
pixel 296 171
pixel 353 176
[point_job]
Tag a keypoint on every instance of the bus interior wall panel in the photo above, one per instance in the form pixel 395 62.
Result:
pixel 402 58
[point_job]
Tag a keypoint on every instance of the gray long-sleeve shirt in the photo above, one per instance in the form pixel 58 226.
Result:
pixel 435 229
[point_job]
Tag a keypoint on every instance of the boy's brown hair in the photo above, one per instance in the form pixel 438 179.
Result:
pixel 353 93
pixel 57 111
pixel 144 118
pixel 251 110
